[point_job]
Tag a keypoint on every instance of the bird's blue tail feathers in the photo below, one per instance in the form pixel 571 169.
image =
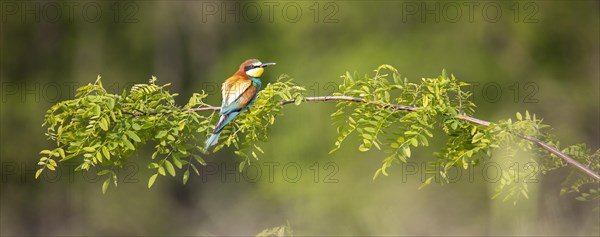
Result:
pixel 212 140
pixel 223 120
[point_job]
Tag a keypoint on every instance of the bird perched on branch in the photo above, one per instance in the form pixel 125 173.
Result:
pixel 239 92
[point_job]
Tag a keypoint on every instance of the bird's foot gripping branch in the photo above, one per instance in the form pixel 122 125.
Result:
pixel 384 111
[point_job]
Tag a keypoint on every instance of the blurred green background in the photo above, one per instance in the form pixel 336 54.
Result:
pixel 540 56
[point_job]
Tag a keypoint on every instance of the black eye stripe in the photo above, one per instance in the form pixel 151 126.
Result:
pixel 246 68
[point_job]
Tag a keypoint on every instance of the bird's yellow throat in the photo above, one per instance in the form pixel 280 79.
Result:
pixel 255 72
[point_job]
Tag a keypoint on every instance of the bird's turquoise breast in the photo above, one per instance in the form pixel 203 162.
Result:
pixel 257 83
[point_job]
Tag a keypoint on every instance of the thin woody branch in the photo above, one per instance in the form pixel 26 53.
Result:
pixel 553 150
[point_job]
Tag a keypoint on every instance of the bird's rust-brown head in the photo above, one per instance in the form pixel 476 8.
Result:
pixel 253 68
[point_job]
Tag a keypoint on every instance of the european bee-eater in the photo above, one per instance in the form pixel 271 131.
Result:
pixel 239 92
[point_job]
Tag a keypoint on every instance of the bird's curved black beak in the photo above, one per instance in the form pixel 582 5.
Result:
pixel 266 64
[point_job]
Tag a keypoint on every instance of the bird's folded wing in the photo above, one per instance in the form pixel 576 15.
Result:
pixel 233 88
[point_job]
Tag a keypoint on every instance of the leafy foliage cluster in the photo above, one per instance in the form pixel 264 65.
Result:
pixel 102 130
pixel 279 231
pixel 399 116
pixel 393 115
